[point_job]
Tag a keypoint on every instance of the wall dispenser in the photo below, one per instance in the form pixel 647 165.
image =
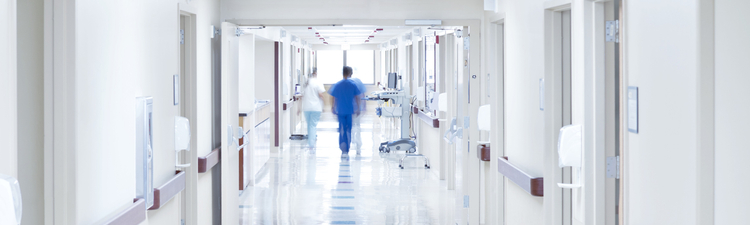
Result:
pixel 181 139
pixel 569 149
pixel 144 160
pixel 10 200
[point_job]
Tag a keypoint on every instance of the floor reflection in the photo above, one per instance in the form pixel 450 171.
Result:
pixel 299 186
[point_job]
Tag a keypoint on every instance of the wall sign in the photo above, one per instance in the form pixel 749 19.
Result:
pixel 633 109
pixel 176 89
pixel 541 94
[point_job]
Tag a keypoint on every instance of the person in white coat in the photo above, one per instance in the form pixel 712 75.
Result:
pixel 312 103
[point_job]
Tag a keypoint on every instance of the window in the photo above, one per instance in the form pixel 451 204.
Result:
pixel 363 65
pixel 331 64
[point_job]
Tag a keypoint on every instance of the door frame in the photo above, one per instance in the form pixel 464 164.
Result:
pixel 188 109
pixel 229 119
pixel 496 56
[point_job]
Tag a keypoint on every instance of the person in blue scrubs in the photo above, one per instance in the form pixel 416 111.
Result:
pixel 344 93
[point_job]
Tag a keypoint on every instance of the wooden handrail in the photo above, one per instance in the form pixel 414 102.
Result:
pixel 483 153
pixel 532 185
pixel 428 119
pixel 134 214
pixel 166 192
pixel 209 161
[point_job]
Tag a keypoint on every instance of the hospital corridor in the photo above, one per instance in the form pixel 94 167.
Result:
pixel 444 112
pixel 303 186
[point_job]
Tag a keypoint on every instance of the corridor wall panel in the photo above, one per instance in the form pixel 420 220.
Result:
pixel 134 52
pixel 524 121
pixel 732 105
pixel 31 157
pixel 663 153
pixel 207 15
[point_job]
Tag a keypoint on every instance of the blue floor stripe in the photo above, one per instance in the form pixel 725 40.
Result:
pixel 345 182
pixel 343 222
pixel 343 197
pixel 342 208
pixel 345 176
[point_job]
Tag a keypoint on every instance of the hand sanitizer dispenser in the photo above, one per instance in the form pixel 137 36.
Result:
pixel 10 200
pixel 181 139
pixel 569 149
pixel 144 157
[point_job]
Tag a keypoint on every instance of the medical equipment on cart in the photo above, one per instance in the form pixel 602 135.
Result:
pixel 404 143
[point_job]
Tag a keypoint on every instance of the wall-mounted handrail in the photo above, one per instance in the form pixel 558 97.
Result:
pixel 532 185
pixel 434 122
pixel 287 105
pixel 134 214
pixel 166 192
pixel 483 153
pixel 209 161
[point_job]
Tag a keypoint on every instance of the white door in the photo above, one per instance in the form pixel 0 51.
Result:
pixel 461 145
pixel 229 121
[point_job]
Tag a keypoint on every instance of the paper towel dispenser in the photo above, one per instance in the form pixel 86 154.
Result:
pixel 144 154
pixel 10 200
pixel 569 150
pixel 484 118
pixel 443 102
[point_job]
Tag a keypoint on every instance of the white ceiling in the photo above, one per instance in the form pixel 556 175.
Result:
pixel 336 35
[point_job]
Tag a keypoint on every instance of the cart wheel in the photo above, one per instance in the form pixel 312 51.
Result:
pixel 426 166
pixel 412 150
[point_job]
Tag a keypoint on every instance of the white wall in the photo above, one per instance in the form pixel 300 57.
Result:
pixel 524 121
pixel 247 73
pixel 732 105
pixel 207 15
pixel 31 110
pixel 8 132
pixel 134 53
pixel 661 157
pixel 264 70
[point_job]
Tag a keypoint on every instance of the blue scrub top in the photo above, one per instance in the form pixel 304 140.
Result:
pixel 362 90
pixel 345 92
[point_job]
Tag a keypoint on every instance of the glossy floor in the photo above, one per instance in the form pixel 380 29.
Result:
pixel 298 186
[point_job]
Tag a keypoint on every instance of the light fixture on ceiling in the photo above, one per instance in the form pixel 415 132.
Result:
pixel 423 22
pixel 347 25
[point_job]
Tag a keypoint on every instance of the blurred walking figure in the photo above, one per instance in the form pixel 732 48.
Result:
pixel 344 93
pixel 312 102
pixel 360 111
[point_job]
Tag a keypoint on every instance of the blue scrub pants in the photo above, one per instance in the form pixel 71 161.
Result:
pixel 312 118
pixel 345 132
